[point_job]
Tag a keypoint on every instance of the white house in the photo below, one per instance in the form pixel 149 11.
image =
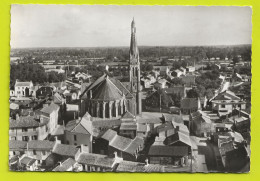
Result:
pixel 23 89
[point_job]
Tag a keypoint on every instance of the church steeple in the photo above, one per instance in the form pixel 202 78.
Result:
pixel 134 69
pixel 134 53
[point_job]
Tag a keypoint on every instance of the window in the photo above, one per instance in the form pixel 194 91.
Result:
pixel 24 130
pixel 35 137
pixel 13 138
pixel 25 138
pixel 13 152
pixel 75 137
pixel 34 152
pixel 43 152
pixel 222 105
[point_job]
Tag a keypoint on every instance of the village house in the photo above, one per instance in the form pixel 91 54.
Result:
pixel 125 147
pixel 128 126
pixel 23 89
pixel 67 165
pixel 97 163
pixel 28 163
pixel 26 128
pixel 225 102
pixel 52 112
pixel 78 132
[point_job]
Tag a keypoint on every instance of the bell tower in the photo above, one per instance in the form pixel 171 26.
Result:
pixel 134 70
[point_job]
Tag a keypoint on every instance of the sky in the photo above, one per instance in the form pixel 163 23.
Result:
pixel 101 26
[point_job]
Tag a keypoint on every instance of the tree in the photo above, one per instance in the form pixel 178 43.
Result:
pixel 235 60
pixel 192 93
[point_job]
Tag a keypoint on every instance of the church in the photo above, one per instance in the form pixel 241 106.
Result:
pixel 108 98
pixel 110 102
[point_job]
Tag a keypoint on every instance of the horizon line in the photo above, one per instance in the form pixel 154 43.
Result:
pixel 118 46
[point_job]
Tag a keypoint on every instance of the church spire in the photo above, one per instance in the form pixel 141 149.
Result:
pixel 134 54
pixel 134 70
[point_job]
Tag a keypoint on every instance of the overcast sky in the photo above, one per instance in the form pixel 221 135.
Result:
pixel 94 26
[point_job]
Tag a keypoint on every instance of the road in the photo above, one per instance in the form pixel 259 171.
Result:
pixel 205 156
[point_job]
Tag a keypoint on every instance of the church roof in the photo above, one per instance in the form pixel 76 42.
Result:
pixel 106 90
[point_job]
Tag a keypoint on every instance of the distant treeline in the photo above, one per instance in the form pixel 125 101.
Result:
pixel 146 52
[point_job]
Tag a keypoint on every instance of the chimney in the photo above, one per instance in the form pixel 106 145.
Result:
pixel 90 94
pixel 117 158
pixel 147 162
pixel 107 68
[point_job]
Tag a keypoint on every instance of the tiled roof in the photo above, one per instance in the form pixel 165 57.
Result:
pixel 127 115
pixel 134 145
pixel 226 95
pixel 128 166
pixel 128 126
pixel 49 109
pixel 40 145
pixel 109 135
pixel 120 142
pixel 65 165
pixel 106 123
pixel 161 150
pixel 26 122
pixel 95 160
pixel 78 126
pixel 153 168
pixel 17 145
pixel 27 161
pixel 65 150
pixel 178 137
pixel 14 159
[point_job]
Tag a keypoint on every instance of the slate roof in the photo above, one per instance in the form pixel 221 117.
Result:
pixel 162 150
pixel 106 90
pixel 65 150
pixel 65 165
